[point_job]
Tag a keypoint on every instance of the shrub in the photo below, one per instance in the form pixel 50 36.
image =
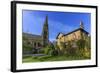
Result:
pixel 81 44
pixel 47 49
pixel 72 51
pixel 88 42
pixel 27 48
pixel 42 51
pixel 50 50
pixel 62 48
pixel 54 52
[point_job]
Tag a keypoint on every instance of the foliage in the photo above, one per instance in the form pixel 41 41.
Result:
pixel 50 50
pixel 63 45
pixel 46 49
pixel 42 51
pixel 54 52
pixel 88 42
pixel 27 47
pixel 56 46
pixel 70 49
pixel 81 43
pixel 62 49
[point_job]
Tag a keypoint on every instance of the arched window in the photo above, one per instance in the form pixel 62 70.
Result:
pixel 39 44
pixel 34 44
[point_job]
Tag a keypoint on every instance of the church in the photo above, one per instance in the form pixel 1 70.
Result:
pixel 72 36
pixel 37 41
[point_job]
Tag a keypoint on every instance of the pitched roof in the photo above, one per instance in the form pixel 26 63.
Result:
pixel 74 31
pixel 59 34
pixel 77 30
pixel 31 35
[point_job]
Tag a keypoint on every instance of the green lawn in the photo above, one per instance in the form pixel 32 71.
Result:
pixel 51 58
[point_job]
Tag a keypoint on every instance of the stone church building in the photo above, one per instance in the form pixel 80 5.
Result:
pixel 72 36
pixel 37 41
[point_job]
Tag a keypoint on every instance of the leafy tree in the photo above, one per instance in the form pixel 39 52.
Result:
pixel 54 52
pixel 57 49
pixel 87 53
pixel 81 44
pixel 70 49
pixel 50 50
pixel 88 42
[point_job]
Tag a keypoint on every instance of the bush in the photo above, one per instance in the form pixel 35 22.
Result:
pixel 27 49
pixel 42 51
pixel 50 50
pixel 81 46
pixel 72 51
pixel 54 52
pixel 46 50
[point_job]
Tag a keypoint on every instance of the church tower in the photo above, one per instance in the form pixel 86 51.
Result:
pixel 81 25
pixel 45 33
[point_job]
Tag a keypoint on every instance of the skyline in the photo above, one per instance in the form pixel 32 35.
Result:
pixel 64 22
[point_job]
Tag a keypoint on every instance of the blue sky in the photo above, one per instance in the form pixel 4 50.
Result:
pixel 64 22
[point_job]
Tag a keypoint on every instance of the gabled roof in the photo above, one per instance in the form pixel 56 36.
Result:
pixel 31 35
pixel 59 34
pixel 77 30
pixel 74 31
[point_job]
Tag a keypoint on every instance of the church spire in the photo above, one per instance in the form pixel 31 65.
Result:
pixel 45 32
pixel 46 20
pixel 81 25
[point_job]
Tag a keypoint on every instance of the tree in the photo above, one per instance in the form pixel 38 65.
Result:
pixel 81 43
pixel 88 47
pixel 57 48
pixel 88 42
pixel 50 50
pixel 70 49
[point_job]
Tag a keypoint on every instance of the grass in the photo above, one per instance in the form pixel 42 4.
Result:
pixel 51 58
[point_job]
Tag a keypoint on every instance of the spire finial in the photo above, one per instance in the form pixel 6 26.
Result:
pixel 46 20
pixel 81 25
